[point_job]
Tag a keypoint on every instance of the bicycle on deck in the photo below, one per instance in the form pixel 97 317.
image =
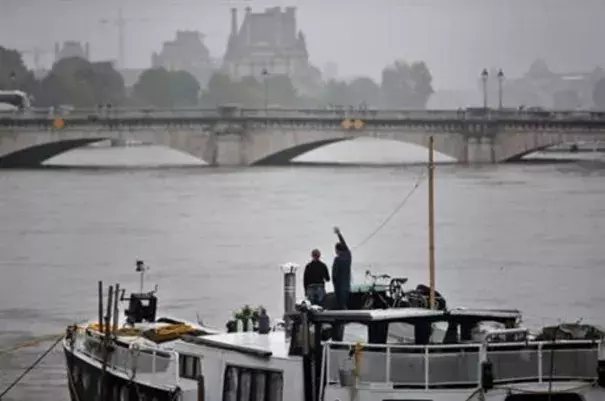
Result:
pixel 382 295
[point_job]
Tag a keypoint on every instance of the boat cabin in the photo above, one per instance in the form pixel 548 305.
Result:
pixel 422 349
pixel 142 307
pixel 417 326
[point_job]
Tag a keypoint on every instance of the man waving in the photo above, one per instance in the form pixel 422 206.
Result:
pixel 341 271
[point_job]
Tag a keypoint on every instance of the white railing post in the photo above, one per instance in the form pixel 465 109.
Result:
pixel 327 363
pixel 388 365
pixel 153 356
pixel 176 370
pixel 482 358
pixel 324 372
pixel 426 368
pixel 540 362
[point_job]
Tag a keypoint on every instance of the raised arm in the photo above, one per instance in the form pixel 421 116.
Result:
pixel 341 238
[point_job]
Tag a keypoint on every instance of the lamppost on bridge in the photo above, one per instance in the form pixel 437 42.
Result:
pixel 500 83
pixel 265 75
pixel 484 76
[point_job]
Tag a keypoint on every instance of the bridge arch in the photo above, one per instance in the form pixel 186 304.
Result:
pixel 30 148
pixel 512 146
pixel 37 154
pixel 270 146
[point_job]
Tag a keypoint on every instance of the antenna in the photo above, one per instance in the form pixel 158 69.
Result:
pixel 141 268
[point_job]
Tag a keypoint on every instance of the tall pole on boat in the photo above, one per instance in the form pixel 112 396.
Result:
pixel 431 172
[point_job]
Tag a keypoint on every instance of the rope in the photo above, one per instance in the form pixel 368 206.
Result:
pixel 394 212
pixel 29 343
pixel 31 367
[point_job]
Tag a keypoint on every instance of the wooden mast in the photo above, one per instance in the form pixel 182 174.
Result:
pixel 431 172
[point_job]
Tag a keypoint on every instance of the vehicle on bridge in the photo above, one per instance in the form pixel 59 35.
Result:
pixel 19 100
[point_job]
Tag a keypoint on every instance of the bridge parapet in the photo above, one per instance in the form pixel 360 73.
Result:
pixel 471 114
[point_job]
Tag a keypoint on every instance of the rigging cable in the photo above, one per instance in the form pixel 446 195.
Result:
pixel 30 343
pixel 394 212
pixel 31 367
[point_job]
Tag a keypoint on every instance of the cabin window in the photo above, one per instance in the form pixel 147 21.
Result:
pixel 189 367
pixel 545 397
pixel 399 332
pixel 250 384
pixel 354 332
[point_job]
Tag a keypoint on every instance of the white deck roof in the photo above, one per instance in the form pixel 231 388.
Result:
pixel 378 314
pixel 273 344
pixel 413 313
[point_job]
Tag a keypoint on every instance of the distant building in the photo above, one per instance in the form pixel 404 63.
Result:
pixel 71 48
pixel 187 52
pixel 269 43
pixel 544 88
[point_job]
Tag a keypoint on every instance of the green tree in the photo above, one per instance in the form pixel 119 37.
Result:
pixel 280 91
pixel 161 88
pixel 336 94
pixel 250 92
pixel 598 94
pixel 13 72
pixel 80 83
pixel 406 86
pixel 364 91
pixel 185 89
pixel 422 84
pixel 220 91
pixel 108 84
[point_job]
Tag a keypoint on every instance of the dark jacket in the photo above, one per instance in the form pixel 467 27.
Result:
pixel 341 269
pixel 316 272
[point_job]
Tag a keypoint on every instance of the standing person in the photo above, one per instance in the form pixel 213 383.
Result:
pixel 341 271
pixel 314 279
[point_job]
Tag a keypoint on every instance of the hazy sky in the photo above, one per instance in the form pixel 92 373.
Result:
pixel 457 38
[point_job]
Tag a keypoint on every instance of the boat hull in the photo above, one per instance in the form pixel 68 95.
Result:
pixel 84 382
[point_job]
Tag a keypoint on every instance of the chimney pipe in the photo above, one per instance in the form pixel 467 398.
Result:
pixel 289 270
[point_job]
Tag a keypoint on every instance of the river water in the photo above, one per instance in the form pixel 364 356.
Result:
pixel 519 236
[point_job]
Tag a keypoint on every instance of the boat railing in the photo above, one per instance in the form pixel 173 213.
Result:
pixel 444 365
pixel 132 360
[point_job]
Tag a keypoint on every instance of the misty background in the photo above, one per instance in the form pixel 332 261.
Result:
pixel 455 38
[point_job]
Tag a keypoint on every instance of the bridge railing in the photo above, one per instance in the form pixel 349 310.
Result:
pixel 470 114
pixel 145 362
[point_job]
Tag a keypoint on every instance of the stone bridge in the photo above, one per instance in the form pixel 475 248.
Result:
pixel 276 140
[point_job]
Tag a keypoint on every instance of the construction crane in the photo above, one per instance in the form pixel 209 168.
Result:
pixel 121 22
